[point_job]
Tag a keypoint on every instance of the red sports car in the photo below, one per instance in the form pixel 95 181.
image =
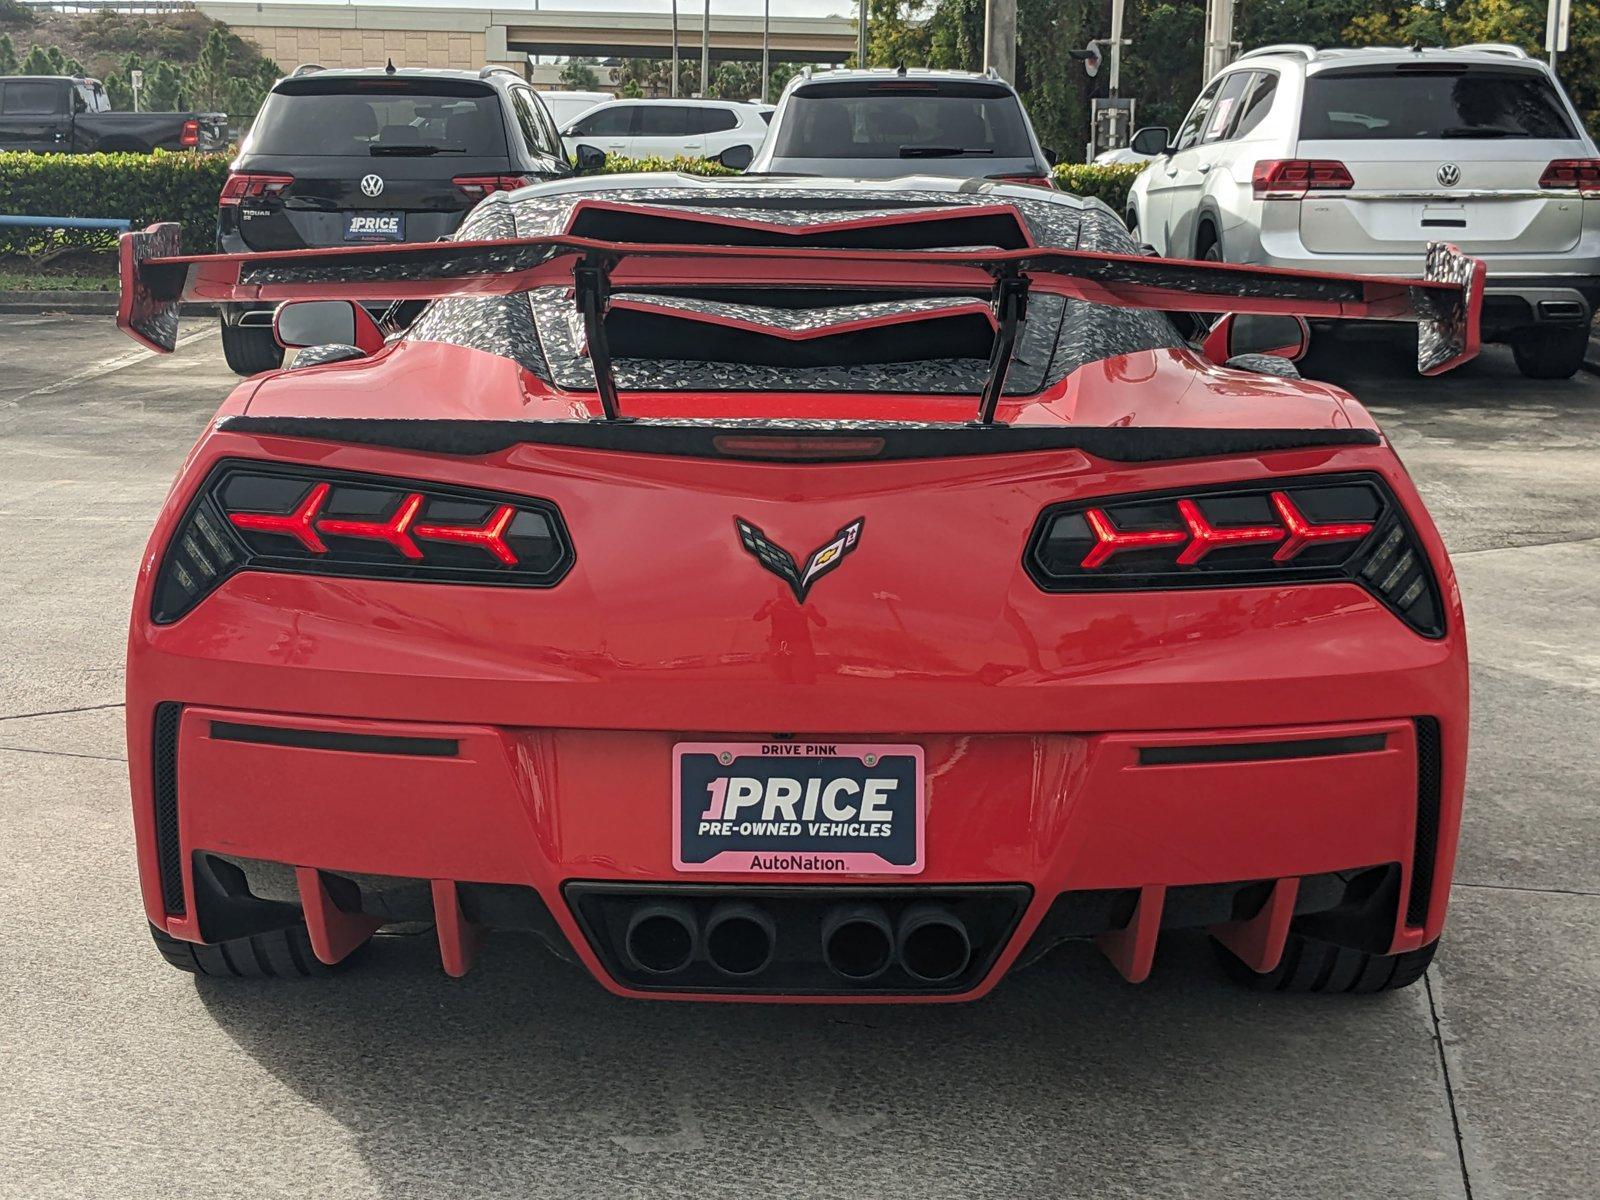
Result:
pixel 765 589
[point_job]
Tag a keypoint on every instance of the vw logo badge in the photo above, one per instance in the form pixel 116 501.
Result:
pixel 1449 174
pixel 372 185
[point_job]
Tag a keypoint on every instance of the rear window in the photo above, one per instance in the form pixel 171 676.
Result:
pixel 1433 101
pixel 903 121
pixel 378 118
pixel 33 99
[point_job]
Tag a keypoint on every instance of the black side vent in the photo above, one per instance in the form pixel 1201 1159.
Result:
pixel 165 770
pixel 1426 849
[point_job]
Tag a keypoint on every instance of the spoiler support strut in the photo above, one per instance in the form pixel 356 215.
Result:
pixel 1010 300
pixel 591 281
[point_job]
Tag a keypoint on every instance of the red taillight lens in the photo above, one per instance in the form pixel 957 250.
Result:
pixel 1292 178
pixel 1036 180
pixel 242 186
pixel 191 133
pixel 251 516
pixel 479 186
pixel 1568 173
pixel 1339 529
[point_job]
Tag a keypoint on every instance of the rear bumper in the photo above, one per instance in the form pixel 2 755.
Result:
pixel 1111 834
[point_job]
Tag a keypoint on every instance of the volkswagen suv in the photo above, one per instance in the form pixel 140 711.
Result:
pixel 346 157
pixel 1354 160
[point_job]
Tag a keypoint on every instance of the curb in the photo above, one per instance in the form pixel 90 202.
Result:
pixel 85 303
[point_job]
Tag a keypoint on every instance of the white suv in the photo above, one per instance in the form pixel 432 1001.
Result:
pixel 669 129
pixel 1353 160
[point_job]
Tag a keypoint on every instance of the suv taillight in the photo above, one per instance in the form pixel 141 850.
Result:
pixel 191 133
pixel 1568 173
pixel 242 186
pixel 1292 178
pixel 479 186
pixel 262 517
pixel 1332 529
pixel 1036 180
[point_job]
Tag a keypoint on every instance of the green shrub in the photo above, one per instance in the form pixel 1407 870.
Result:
pixel 145 188
pixel 616 165
pixel 1108 183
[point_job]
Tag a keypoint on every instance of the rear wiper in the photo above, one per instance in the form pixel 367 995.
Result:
pixel 1480 131
pixel 941 151
pixel 410 151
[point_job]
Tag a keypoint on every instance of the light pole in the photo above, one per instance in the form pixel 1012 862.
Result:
pixel 766 38
pixel 673 92
pixel 705 53
pixel 861 36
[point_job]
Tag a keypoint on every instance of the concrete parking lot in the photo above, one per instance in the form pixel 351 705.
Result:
pixel 125 1078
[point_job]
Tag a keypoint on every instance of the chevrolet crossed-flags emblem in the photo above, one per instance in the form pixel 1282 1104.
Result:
pixel 782 564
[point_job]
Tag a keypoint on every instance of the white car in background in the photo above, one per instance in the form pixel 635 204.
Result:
pixel 567 107
pixel 1354 160
pixel 669 129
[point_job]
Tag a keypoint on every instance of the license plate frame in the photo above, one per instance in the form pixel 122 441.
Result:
pixel 374 226
pixel 750 842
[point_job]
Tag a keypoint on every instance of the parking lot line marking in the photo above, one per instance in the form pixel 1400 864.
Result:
pixel 115 363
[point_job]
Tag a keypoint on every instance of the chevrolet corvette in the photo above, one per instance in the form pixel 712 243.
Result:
pixel 776 589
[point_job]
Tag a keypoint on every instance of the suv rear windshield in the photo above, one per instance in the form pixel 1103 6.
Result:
pixel 380 117
pixel 902 120
pixel 1431 101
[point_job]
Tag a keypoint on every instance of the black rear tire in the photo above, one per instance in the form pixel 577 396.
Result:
pixel 1312 966
pixel 279 954
pixel 1550 353
pixel 250 349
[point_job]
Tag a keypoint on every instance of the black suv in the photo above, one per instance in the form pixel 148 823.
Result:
pixel 378 155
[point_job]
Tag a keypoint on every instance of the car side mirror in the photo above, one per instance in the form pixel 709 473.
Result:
pixel 737 158
pixel 1051 156
pixel 1257 333
pixel 590 159
pixel 1151 140
pixel 301 323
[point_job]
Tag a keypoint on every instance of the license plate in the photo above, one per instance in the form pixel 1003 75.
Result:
pixel 374 227
pixel 781 807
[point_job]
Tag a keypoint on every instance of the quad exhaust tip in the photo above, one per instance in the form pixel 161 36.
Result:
pixel 740 939
pixel 932 944
pixel 857 941
pixel 661 937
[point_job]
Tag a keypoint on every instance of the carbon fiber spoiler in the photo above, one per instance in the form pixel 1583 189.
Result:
pixel 1444 303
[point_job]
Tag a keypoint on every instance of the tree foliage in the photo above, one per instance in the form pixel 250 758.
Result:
pixel 579 75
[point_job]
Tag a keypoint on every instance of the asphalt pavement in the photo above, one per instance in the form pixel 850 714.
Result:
pixel 123 1078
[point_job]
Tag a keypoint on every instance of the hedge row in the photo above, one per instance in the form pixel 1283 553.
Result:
pixel 145 188
pixel 184 187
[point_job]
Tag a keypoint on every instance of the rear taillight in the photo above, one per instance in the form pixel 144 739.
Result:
pixel 1334 529
pixel 1569 173
pixel 1036 180
pixel 255 517
pixel 1292 178
pixel 191 133
pixel 242 186
pixel 479 186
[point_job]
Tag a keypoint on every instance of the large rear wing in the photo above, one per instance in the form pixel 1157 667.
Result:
pixel 1444 303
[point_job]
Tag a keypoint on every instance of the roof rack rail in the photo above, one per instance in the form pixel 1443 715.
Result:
pixel 306 69
pixel 1503 48
pixel 495 68
pixel 1305 51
